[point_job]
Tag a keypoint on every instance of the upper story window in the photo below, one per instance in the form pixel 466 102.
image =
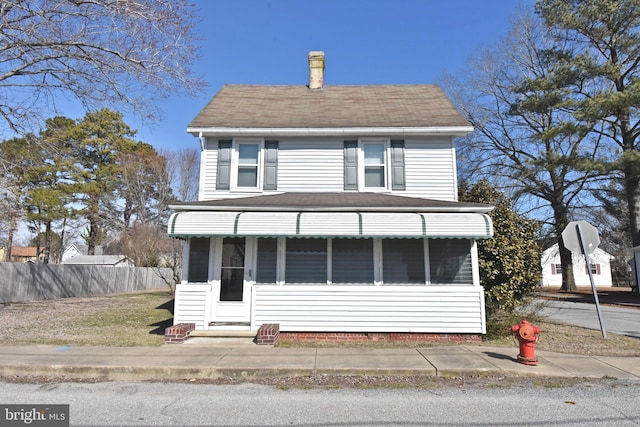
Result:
pixel 374 164
pixel 247 165
pixel 375 161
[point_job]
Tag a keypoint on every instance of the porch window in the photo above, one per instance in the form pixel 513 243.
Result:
pixel 267 260
pixel 450 261
pixel 198 259
pixel 306 261
pixel 352 260
pixel 403 261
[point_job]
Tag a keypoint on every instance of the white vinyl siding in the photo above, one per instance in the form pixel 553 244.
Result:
pixel 208 169
pixel 315 165
pixel 318 165
pixel 192 304
pixel 430 168
pixel 421 309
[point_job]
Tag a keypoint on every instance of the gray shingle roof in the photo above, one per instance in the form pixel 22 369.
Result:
pixel 333 202
pixel 256 106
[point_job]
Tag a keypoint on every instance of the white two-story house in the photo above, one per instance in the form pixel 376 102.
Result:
pixel 330 210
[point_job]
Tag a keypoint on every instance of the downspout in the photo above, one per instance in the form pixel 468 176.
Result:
pixel 201 139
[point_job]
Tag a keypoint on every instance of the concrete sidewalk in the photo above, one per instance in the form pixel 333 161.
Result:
pixel 207 358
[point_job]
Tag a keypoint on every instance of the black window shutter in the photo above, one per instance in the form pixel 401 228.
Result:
pixel 397 165
pixel 223 177
pixel 351 165
pixel 270 165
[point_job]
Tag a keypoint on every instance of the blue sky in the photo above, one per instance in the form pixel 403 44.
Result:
pixel 365 42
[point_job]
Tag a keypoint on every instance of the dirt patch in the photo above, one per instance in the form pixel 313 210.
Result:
pixel 358 381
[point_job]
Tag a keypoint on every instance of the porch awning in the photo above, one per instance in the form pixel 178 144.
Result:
pixel 456 225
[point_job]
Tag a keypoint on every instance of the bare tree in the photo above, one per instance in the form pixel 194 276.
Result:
pixel 115 53
pixel 183 166
pixel 144 187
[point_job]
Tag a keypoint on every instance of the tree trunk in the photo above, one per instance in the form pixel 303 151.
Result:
pixel 568 281
pixel 47 242
pixel 11 232
pixel 561 219
pixel 58 258
pixel 632 190
pixel 93 235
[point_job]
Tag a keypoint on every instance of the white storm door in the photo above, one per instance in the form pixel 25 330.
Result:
pixel 233 299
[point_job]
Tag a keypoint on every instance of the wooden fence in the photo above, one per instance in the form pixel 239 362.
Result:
pixel 29 282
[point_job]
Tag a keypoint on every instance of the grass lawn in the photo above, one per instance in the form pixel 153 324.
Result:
pixel 139 319
pixel 131 319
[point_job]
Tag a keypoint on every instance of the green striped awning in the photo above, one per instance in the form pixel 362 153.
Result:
pixel 330 224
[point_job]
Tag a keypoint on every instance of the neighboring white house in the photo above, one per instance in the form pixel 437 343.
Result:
pixel 104 260
pixel 72 251
pixel 330 209
pixel 599 260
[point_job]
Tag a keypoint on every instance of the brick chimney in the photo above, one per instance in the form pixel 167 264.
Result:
pixel 316 70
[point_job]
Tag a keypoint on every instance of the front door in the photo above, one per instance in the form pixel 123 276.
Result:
pixel 232 307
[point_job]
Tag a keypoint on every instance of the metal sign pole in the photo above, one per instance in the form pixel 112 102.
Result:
pixel 593 285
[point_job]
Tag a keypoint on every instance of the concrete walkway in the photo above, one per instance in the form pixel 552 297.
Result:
pixel 210 358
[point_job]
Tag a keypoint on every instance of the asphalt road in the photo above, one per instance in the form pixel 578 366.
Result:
pixel 610 403
pixel 619 320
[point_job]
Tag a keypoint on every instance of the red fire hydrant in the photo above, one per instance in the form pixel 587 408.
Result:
pixel 527 335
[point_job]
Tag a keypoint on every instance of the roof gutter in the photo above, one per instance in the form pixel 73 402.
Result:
pixel 349 132
pixel 330 209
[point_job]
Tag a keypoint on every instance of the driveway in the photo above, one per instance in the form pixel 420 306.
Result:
pixel 616 319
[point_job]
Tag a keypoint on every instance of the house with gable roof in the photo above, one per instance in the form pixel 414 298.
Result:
pixel 330 210
pixel 599 263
